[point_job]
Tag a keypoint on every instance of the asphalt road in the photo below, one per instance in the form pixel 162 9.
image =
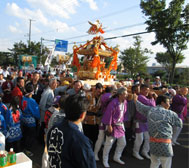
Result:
pixel 180 159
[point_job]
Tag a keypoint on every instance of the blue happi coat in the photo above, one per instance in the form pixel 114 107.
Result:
pixel 68 147
pixel 30 112
pixel 13 125
pixel 3 128
pixel 3 110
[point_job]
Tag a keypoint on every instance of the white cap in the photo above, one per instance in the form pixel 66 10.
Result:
pixel 172 91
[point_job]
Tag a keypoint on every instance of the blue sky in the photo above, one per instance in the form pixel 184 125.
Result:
pixel 65 19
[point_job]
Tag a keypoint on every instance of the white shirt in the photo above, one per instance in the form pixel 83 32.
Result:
pixel 5 73
pixel 121 107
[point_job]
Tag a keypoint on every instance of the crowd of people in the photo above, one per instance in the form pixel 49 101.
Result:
pixel 73 119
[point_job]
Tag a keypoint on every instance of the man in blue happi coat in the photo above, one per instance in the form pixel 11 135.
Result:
pixel 67 146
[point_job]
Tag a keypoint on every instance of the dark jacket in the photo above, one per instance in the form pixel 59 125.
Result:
pixel 68 147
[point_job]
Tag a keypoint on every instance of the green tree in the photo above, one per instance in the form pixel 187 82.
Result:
pixel 18 49
pixel 170 26
pixel 34 49
pixel 119 67
pixel 165 60
pixel 160 73
pixel 182 77
pixel 134 59
pixel 6 58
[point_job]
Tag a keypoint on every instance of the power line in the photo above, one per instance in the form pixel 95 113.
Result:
pixel 95 18
pixel 118 12
pixel 109 38
pixel 127 35
pixel 119 28
pixel 84 22
pixel 107 15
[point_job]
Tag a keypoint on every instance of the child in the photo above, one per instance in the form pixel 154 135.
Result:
pixel 13 126
pixel 30 113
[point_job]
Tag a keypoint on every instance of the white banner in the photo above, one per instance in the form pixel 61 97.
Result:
pixel 49 57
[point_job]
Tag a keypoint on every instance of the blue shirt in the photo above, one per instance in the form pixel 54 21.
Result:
pixel 68 147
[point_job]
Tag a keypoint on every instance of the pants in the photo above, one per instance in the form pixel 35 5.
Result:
pixel 156 161
pixel 138 142
pixel 91 131
pixel 99 141
pixel 130 132
pixel 16 145
pixel 176 133
pixel 121 143
pixel 29 137
pixel 41 133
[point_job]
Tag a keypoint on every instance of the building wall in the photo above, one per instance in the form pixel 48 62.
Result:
pixel 153 69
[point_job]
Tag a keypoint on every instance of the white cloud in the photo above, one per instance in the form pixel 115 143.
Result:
pixel 14 10
pixel 13 29
pixel 61 8
pixel 60 26
pixel 39 10
pixel 92 4
pixel 5 44
pixel 38 16
pixel 35 29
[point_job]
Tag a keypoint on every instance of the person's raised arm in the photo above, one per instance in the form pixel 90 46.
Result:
pixel 141 108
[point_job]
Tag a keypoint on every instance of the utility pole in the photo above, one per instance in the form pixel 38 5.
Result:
pixel 41 48
pixel 30 20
